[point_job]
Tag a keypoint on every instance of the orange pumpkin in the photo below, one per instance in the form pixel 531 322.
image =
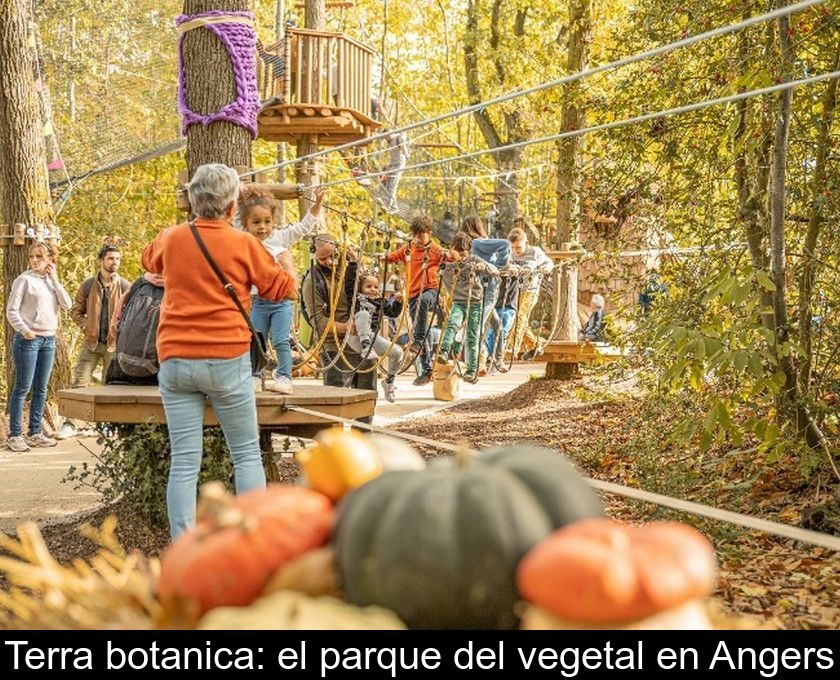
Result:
pixel 599 571
pixel 239 542
pixel 339 462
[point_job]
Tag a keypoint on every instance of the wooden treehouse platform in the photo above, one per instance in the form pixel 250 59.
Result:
pixel 142 404
pixel 318 84
pixel 572 352
pixel 326 125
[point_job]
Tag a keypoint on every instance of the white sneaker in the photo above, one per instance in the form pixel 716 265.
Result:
pixel 17 444
pixel 66 431
pixel 40 441
pixel 281 385
pixel 390 390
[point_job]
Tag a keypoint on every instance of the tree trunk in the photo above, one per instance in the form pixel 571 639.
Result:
pixel 507 187
pixel 307 173
pixel 209 86
pixel 569 174
pixel 815 223
pixel 24 185
pixel 752 171
pixel 793 404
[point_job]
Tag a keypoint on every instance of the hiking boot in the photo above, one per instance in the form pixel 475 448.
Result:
pixel 501 368
pixel 529 354
pixel 66 431
pixel 422 379
pixel 389 389
pixel 280 385
pixel 471 378
pixel 40 441
pixel 17 444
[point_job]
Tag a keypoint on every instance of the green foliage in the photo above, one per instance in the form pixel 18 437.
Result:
pixel 133 466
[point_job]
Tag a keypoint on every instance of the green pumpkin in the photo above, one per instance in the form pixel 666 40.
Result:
pixel 440 546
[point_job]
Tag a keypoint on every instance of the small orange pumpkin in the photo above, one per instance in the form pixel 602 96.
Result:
pixel 239 542
pixel 599 571
pixel 339 462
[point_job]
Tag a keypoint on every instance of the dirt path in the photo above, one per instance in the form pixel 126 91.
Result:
pixel 32 489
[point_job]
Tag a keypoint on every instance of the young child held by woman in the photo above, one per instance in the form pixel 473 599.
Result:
pixel 368 337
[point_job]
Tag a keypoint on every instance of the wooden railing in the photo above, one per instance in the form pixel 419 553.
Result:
pixel 317 68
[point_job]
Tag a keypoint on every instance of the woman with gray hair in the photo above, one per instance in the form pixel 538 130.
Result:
pixel 203 340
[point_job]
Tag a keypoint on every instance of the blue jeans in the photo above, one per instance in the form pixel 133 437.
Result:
pixel 274 321
pixel 426 302
pixel 507 316
pixel 33 365
pixel 184 385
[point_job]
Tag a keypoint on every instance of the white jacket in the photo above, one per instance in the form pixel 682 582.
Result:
pixel 34 302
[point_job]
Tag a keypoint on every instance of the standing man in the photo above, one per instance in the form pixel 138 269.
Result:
pixel 316 293
pixel 95 303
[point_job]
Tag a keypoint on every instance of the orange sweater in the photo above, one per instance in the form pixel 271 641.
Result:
pixel 198 320
pixel 422 277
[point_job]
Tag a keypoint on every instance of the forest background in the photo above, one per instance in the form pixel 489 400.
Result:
pixel 746 345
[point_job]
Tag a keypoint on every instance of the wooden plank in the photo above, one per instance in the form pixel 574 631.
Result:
pixel 332 70
pixel 299 70
pixel 106 407
pixel 287 71
pixel 146 394
pixel 566 254
pixel 306 96
pixel 368 75
pixel 339 87
pixel 266 414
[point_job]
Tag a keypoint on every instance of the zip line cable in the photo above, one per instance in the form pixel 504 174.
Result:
pixel 574 77
pixel 612 125
pixel 738 519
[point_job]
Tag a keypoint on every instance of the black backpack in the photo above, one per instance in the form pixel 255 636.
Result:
pixel 137 330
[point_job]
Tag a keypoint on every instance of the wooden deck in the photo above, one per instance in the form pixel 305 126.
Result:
pixel 571 352
pixel 332 125
pixel 141 404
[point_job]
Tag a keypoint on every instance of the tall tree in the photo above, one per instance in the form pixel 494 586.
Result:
pixel 24 186
pixel 315 17
pixel 816 219
pixel 513 126
pixel 792 400
pixel 210 84
pixel 569 177
pixel 279 34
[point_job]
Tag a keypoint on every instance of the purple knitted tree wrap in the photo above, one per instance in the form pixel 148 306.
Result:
pixel 240 42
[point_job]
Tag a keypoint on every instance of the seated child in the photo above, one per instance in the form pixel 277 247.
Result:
pixel 593 329
pixel 368 337
pixel 464 283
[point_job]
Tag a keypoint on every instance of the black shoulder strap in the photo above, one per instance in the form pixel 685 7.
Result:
pixel 227 285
